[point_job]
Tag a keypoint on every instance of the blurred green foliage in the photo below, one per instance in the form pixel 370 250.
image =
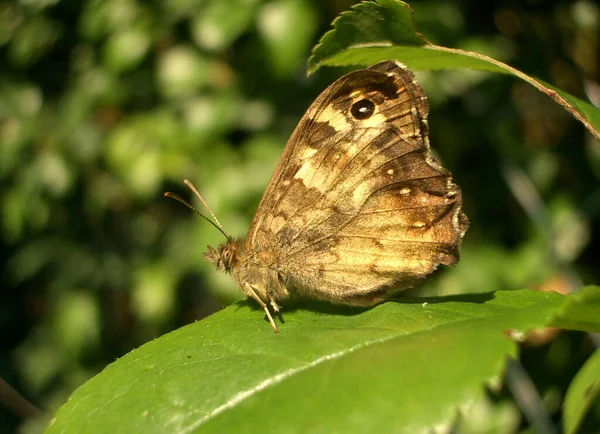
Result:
pixel 106 104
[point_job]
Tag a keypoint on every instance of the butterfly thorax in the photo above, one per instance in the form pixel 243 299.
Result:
pixel 252 273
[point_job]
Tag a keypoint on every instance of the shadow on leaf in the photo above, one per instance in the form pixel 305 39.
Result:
pixel 324 307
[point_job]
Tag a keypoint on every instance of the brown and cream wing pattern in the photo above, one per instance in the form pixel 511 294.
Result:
pixel 357 202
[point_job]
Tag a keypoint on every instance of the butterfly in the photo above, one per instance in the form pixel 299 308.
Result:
pixel 357 207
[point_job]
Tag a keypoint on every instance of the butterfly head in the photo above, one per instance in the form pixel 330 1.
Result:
pixel 226 256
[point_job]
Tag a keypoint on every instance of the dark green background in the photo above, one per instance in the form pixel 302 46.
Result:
pixel 106 104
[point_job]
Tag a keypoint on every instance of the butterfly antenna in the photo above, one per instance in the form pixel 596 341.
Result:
pixel 180 199
pixel 191 186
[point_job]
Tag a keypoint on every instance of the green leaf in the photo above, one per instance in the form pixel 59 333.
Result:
pixel 401 366
pixel 386 22
pixel 583 391
pixel 581 313
pixel 384 29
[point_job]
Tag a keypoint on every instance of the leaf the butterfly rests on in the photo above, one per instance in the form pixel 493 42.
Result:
pixel 357 207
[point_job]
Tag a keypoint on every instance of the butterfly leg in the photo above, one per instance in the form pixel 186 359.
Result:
pixel 250 291
pixel 273 304
pixel 275 288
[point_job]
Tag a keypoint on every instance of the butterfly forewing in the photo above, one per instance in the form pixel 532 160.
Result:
pixel 357 204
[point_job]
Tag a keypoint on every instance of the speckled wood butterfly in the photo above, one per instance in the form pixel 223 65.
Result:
pixel 357 206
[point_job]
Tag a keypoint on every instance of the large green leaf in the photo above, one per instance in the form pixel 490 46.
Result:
pixel 402 366
pixel 385 29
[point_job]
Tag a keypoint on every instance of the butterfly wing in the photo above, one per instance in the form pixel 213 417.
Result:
pixel 357 204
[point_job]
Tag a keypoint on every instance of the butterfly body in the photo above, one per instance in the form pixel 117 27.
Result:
pixel 357 206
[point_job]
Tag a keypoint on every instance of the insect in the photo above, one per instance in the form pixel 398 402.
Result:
pixel 357 206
